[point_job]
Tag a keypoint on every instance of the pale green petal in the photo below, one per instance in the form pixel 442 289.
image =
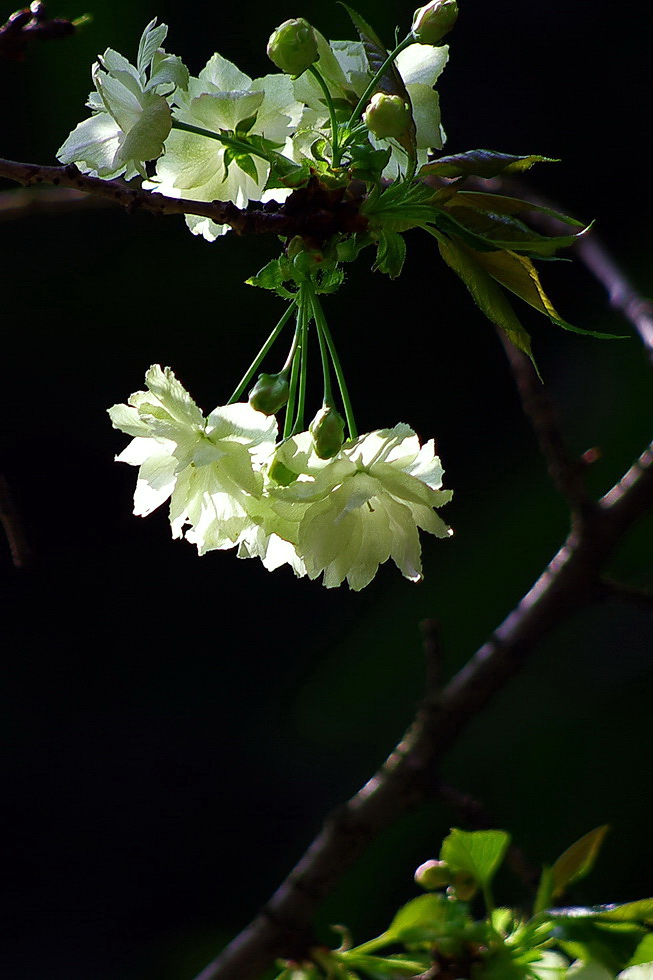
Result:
pixel 127 419
pixel 190 164
pixel 643 971
pixel 173 396
pixel 167 70
pixel 591 970
pixel 93 146
pixel 113 61
pixel 426 113
pixel 279 112
pixel 242 423
pixel 205 227
pixel 422 63
pixel 224 110
pixel 120 102
pixel 151 40
pixel 224 75
pixel 145 139
pixel 139 449
pixel 155 482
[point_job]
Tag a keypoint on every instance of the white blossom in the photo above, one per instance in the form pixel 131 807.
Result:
pixel 363 506
pixel 220 99
pixel 131 112
pixel 209 468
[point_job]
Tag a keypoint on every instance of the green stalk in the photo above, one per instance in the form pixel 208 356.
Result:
pixel 230 141
pixel 369 91
pixel 294 375
pixel 247 377
pixel 320 320
pixel 335 149
pixel 327 397
pixel 298 424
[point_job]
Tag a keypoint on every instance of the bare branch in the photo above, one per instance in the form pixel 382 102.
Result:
pixel 311 211
pixel 31 24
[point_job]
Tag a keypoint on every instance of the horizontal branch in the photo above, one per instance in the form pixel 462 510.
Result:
pixel 311 211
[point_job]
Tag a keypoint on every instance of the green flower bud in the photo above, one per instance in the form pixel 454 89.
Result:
pixel 328 431
pixel 433 875
pixel 433 21
pixel 269 394
pixel 387 115
pixel 293 46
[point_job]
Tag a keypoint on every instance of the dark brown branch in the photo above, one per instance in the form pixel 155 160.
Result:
pixel 312 211
pixel 566 472
pixel 31 24
pixel 627 593
pixel 570 583
pixel 13 527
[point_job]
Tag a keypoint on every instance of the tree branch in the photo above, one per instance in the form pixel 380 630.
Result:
pixel 311 211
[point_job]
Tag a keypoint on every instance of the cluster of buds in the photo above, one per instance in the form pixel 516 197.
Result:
pixel 438 875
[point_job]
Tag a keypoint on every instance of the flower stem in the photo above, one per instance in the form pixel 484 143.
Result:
pixel 369 91
pixel 223 137
pixel 335 148
pixel 323 327
pixel 247 377
pixel 305 319
pixel 294 357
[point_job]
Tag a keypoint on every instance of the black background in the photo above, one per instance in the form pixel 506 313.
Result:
pixel 175 728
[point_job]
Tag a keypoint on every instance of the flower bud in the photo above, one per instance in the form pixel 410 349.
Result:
pixel 433 21
pixel 293 46
pixel 387 115
pixel 328 431
pixel 432 875
pixel 269 394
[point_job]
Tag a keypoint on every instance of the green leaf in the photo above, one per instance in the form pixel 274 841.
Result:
pixel 390 254
pixel 639 912
pixel 481 163
pixel 518 274
pixel 272 276
pixel 424 920
pixel 495 230
pixel 501 204
pixel 577 861
pixel 485 292
pixel 591 939
pixel 477 852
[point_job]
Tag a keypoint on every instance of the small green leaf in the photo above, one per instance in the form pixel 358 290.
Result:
pixel 478 852
pixel 424 920
pixel 644 951
pixel 639 912
pixel 392 967
pixel 390 254
pixel 481 163
pixel 577 861
pixel 272 276
pixel 544 890
pixel 247 165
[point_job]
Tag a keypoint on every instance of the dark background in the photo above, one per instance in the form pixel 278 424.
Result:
pixel 175 728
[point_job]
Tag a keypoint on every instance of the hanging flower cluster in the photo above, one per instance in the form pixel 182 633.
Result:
pixel 340 144
pixel 230 486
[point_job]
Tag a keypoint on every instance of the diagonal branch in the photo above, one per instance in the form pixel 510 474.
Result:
pixel 569 583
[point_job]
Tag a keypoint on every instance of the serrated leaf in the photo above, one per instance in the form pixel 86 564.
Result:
pixel 390 254
pixel 485 292
pixel 383 966
pixel 577 861
pixel 481 163
pixel 478 852
pixel 272 276
pixel 518 274
pixel 495 230
pixel 502 204
pixel 391 82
